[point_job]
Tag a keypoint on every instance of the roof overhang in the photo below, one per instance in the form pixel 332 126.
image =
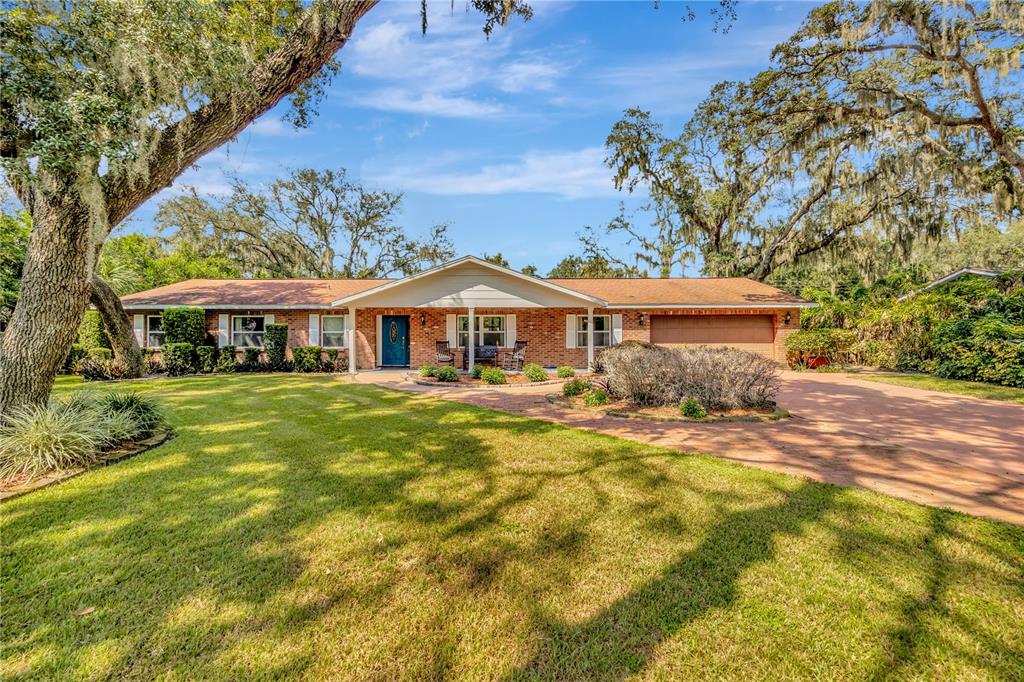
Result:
pixel 980 272
pixel 702 306
pixel 448 294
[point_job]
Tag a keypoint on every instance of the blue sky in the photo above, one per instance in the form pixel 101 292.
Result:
pixel 501 138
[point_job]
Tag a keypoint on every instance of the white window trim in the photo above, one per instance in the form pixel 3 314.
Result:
pixel 343 332
pixel 233 332
pixel 581 320
pixel 480 333
pixel 149 330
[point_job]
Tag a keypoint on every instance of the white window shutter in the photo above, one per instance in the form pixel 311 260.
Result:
pixel 314 330
pixel 139 322
pixel 453 337
pixel 570 331
pixel 268 319
pixel 344 337
pixel 616 329
pixel 510 331
pixel 223 330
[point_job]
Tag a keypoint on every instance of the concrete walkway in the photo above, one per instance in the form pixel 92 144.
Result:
pixel 934 448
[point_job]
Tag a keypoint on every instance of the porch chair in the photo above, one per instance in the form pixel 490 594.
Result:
pixel 443 353
pixel 514 359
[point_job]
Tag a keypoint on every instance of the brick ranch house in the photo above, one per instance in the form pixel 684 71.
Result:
pixel 398 321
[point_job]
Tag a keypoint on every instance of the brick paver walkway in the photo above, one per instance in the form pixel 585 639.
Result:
pixel 934 448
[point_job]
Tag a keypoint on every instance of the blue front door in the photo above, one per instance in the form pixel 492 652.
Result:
pixel 394 347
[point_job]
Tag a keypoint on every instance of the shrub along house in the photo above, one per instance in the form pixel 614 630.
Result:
pixel 397 323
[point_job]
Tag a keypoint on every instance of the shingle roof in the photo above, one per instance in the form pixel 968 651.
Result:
pixel 321 292
pixel 710 292
pixel 251 292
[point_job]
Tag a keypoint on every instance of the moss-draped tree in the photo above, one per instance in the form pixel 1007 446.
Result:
pixel 106 102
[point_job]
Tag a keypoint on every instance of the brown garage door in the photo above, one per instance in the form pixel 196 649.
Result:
pixel 749 332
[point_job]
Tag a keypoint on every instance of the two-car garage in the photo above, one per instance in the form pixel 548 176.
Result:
pixel 755 333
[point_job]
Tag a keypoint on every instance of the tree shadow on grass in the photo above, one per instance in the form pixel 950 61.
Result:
pixel 621 640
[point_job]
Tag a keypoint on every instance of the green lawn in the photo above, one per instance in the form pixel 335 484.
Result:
pixel 304 527
pixel 974 389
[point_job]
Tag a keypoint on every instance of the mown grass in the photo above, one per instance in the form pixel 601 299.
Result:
pixel 974 389
pixel 301 527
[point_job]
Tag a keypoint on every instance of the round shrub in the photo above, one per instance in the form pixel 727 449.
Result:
pixel 575 387
pixel 177 358
pixel 446 374
pixel 493 375
pixel 565 372
pixel 596 397
pixel 692 409
pixel 535 372
pixel 91 369
pixel 184 325
pixel 477 370
pixel 307 359
pixel 428 371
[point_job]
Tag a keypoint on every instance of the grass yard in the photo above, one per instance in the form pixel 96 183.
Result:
pixel 974 389
pixel 298 526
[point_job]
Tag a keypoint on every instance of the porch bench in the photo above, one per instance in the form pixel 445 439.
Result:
pixel 481 354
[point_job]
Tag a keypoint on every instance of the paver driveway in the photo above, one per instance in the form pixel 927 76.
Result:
pixel 934 448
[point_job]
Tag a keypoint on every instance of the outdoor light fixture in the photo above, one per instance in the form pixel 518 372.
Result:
pixel 423 319
pixel 641 319
pixel 786 319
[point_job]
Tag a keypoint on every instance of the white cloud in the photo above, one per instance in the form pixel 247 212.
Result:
pixel 407 101
pixel 523 76
pixel 568 174
pixel 272 126
pixel 444 72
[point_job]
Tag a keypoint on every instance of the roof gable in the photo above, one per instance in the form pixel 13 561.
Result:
pixel 470 282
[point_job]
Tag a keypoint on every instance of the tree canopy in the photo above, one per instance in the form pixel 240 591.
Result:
pixel 885 122
pixel 310 223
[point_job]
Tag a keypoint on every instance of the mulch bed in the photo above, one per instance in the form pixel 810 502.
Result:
pixel 18 487
pixel 669 413
pixel 466 381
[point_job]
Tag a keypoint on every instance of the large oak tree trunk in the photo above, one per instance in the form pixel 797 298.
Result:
pixel 55 289
pixel 122 335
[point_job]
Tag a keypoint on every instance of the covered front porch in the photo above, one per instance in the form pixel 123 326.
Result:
pixel 470 303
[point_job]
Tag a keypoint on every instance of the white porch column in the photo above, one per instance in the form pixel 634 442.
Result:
pixel 351 331
pixel 472 339
pixel 590 338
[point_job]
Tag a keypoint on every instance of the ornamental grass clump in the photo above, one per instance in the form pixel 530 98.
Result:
pixel 69 434
pixel 37 439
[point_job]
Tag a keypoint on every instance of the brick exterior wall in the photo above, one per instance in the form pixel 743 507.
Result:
pixel 542 328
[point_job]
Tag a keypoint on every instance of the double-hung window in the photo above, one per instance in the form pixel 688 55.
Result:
pixel 247 331
pixel 490 330
pixel 332 335
pixel 155 331
pixel 602 331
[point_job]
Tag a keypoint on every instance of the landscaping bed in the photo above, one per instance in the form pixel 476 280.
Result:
pixel 666 413
pixel 464 380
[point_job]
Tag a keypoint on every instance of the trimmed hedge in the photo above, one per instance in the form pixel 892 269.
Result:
pixel 178 358
pixel 206 359
pixel 835 345
pixel 307 359
pixel 275 341
pixel 227 360
pixel 184 325
pixel 252 361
